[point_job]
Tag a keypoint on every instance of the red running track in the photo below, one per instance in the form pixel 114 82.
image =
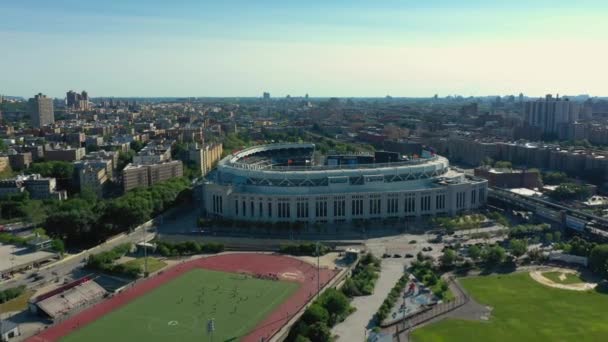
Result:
pixel 289 269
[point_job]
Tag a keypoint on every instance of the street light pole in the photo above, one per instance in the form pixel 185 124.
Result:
pixel 318 273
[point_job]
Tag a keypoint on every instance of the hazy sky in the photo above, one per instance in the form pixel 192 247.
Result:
pixel 320 47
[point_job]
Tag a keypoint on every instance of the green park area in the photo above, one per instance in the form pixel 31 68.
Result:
pixel 153 264
pixel 180 310
pixel 524 310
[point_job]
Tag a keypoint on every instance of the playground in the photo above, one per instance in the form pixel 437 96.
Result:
pixel 524 310
pixel 414 298
pixel 247 296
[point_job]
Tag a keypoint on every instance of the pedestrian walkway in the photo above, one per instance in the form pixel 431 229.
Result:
pixel 355 326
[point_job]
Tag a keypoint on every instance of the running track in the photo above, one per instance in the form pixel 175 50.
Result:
pixel 237 262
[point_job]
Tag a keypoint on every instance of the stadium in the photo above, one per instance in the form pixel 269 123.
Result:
pixel 296 183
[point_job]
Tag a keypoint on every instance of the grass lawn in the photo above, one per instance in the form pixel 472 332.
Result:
pixel 524 310
pixel 17 304
pixel 179 310
pixel 571 278
pixel 153 264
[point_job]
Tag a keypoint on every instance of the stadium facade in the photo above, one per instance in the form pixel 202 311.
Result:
pixel 294 183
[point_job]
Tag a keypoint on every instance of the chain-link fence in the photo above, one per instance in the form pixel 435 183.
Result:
pixel 460 298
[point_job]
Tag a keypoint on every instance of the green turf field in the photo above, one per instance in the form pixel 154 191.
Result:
pixel 570 278
pixel 178 311
pixel 525 310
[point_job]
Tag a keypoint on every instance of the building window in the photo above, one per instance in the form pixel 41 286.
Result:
pixel 302 209
pixel 473 196
pixel 244 205
pixel 284 210
pixel 357 207
pixel 410 205
pixel 392 205
pixel 269 209
pixel 425 203
pixel 236 207
pixel 440 201
pixel 252 210
pixel 460 197
pixel 339 208
pixel 217 204
pixel 375 206
pixel 261 209
pixel 321 208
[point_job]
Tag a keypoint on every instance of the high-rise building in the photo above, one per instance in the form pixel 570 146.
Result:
pixel 72 98
pixel 77 101
pixel 266 95
pixel 41 110
pixel 550 113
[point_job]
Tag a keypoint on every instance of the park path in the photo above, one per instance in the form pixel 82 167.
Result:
pixel 355 325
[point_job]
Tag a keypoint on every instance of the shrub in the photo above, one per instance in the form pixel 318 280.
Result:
pixel 11 293
pixel 309 249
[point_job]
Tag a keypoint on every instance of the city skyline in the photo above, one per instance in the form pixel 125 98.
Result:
pixel 343 49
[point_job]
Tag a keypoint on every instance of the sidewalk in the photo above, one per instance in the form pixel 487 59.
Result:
pixel 354 327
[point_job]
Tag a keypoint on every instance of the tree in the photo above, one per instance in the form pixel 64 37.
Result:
pixel 548 237
pixel 136 145
pixel 570 191
pixel 336 303
pixel 554 178
pixel 56 169
pixel 58 246
pixel 598 260
pixel 493 256
pixel 448 258
pixel 474 252
pixel 518 247
pixel 319 332
pixel 124 158
pixel 581 247
pixel 301 338
pixel 315 313
pixel 503 164
pixel 557 236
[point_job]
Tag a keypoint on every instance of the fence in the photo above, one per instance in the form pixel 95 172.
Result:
pixel 416 319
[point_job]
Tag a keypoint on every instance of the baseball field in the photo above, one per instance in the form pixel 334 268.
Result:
pixel 524 310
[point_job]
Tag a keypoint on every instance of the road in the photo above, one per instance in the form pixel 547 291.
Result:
pixel 70 266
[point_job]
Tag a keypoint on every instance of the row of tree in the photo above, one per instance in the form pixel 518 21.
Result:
pixel 391 299
pixel 332 307
pixel 84 221
pixel 363 278
pixel 168 249
pixel 307 249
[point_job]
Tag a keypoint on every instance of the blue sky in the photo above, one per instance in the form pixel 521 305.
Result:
pixel 324 48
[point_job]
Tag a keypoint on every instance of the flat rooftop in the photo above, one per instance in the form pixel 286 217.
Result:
pixel 14 256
